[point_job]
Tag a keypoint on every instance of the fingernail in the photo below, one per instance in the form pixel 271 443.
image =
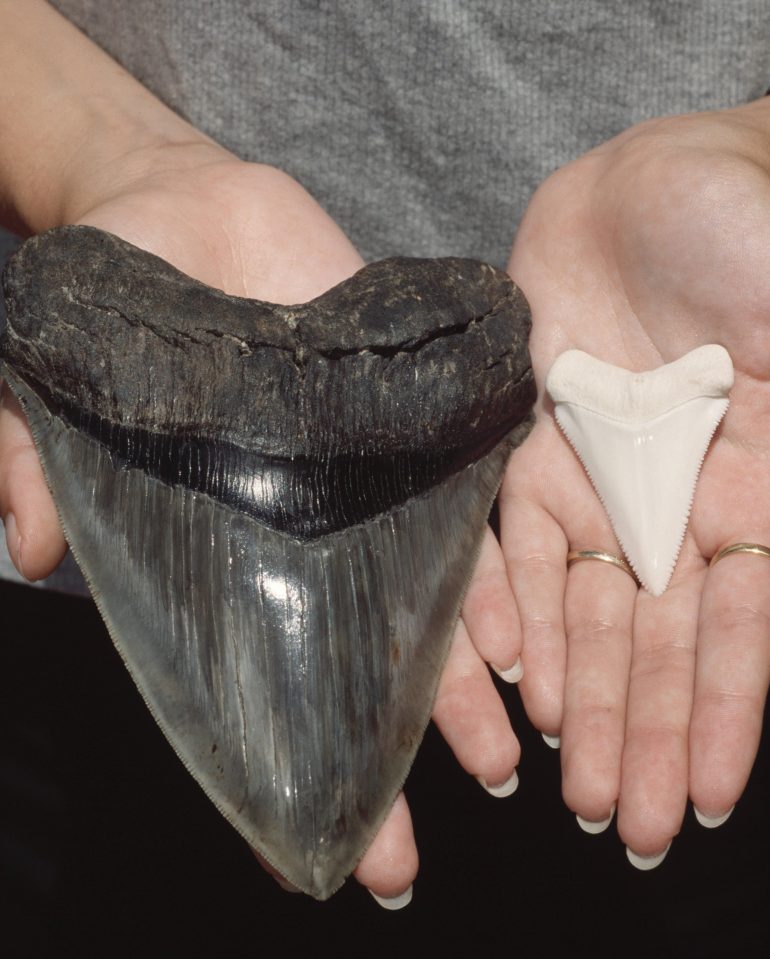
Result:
pixel 711 822
pixel 504 789
pixel 594 828
pixel 553 741
pixel 13 541
pixel 397 902
pixel 512 675
pixel 646 862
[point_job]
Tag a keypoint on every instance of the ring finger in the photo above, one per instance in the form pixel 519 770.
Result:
pixel 653 791
pixel 599 610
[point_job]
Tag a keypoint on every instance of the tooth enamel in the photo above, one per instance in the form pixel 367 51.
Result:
pixel 642 438
pixel 278 509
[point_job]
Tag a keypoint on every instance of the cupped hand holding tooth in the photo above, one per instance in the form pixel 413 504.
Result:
pixel 123 162
pixel 642 250
pixel 214 220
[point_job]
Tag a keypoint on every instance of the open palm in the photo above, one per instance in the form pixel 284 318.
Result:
pixel 651 245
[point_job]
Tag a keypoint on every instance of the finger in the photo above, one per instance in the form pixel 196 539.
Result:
pixel 33 533
pixel 731 679
pixel 654 773
pixel 489 612
pixel 535 551
pixel 546 503
pixel 389 866
pixel 599 611
pixel 473 720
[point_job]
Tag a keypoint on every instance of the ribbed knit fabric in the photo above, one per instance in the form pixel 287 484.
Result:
pixel 423 127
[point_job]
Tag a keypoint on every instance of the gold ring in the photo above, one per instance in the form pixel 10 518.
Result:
pixel 754 548
pixel 577 555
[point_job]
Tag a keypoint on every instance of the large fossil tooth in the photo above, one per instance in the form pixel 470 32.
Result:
pixel 642 438
pixel 277 509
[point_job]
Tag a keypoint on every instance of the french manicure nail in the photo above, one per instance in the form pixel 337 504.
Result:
pixel 593 827
pixel 396 902
pixel 646 862
pixel 711 822
pixel 553 741
pixel 511 675
pixel 504 789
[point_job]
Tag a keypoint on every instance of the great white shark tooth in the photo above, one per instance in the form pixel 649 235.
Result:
pixel 642 438
pixel 277 509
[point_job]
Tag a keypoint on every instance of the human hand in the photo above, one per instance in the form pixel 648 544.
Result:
pixel 638 252
pixel 119 160
pixel 215 218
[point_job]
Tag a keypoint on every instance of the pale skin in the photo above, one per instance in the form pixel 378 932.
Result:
pixel 83 142
pixel 645 248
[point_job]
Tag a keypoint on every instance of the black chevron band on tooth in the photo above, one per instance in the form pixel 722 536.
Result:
pixel 303 497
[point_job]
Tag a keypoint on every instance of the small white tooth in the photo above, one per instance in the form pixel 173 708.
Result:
pixel 642 438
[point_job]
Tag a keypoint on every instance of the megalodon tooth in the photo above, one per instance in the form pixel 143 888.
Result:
pixel 642 438
pixel 277 509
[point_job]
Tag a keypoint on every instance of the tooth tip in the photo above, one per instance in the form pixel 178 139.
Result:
pixel 654 586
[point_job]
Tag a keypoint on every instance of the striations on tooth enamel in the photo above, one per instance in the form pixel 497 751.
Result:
pixel 277 509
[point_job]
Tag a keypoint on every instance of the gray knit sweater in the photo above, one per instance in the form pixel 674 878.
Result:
pixel 423 126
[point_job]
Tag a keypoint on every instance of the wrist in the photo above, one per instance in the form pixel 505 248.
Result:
pixel 126 155
pixel 75 125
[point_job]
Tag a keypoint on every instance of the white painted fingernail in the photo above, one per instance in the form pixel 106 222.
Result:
pixel 397 902
pixel 594 828
pixel 553 741
pixel 512 675
pixel 646 862
pixel 13 541
pixel 504 789
pixel 711 822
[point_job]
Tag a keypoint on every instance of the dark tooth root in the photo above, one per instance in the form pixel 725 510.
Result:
pixel 382 362
pixel 293 674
